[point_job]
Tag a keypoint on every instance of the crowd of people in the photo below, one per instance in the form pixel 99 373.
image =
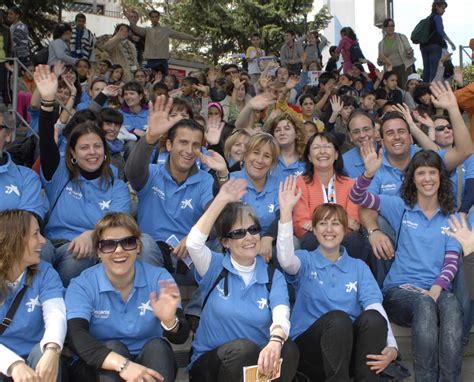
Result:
pixel 309 214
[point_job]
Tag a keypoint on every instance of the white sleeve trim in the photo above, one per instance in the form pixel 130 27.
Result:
pixel 54 315
pixel 281 317
pixel 290 263
pixel 391 341
pixel 200 254
pixel 7 358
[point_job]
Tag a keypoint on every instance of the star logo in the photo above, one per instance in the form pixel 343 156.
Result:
pixel 104 204
pixel 351 286
pixel 314 275
pixel 222 293
pixel 144 307
pixel 444 230
pixel 32 304
pixel 271 208
pixel 186 203
pixel 262 303
pixel 12 189
pixel 298 173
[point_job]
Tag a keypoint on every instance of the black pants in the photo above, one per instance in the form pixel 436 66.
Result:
pixel 334 348
pixel 225 364
pixel 356 244
pixel 5 89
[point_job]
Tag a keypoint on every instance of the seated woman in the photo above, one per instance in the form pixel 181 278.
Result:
pixel 235 147
pixel 246 319
pixel 324 181
pixel 417 287
pixel 338 321
pixel 120 310
pixel 33 332
pixel 290 134
pixel 81 187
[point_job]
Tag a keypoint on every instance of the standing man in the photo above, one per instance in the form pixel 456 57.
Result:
pixel 291 52
pixel 19 35
pixel 157 39
pixel 137 40
pixel 82 42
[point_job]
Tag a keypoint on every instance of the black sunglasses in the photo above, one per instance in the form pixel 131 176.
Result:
pixel 127 243
pixel 441 128
pixel 240 233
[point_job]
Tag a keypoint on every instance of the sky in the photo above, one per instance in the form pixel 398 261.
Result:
pixel 458 23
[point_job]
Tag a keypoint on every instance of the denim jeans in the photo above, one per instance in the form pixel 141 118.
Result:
pixel 152 63
pixel 431 54
pixel 436 332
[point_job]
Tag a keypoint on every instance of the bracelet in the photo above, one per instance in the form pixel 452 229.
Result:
pixel 372 231
pixel 176 322
pixel 222 179
pixel 276 340
pixel 124 364
pixel 54 348
pixel 277 337
pixel 47 103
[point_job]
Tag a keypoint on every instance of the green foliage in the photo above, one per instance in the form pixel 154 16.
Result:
pixel 321 20
pixel 468 73
pixel 226 25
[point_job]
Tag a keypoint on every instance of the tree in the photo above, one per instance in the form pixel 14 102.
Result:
pixel 227 25
pixel 40 16
pixel 321 20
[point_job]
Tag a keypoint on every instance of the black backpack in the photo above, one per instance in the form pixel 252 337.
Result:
pixel 356 53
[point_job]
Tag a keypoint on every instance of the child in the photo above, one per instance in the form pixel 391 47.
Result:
pixel 253 54
pixel 331 65
pixel 112 125
pixel 368 103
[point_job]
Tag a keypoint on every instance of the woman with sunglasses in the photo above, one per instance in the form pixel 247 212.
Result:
pixel 338 321
pixel 120 311
pixel 245 317
pixel 417 286
pixel 30 344
pixel 81 186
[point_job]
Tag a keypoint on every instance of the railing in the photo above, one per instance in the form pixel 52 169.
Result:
pixel 464 50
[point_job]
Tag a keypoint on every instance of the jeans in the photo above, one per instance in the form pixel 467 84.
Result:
pixel 431 54
pixel 156 354
pixel 436 332
pixel 152 63
pixel 334 347
pixel 225 363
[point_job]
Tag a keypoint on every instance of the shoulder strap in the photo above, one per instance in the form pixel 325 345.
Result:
pixel 14 307
pixel 222 275
pixel 399 230
pixel 271 271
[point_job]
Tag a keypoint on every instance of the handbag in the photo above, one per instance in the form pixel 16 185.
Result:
pixel 14 307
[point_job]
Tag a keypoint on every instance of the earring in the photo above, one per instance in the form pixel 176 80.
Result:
pixel 105 157
pixel 73 161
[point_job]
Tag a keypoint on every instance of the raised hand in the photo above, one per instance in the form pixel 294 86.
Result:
pixel 237 82
pixel 336 104
pixel 214 127
pixel 70 86
pixel 289 194
pixel 460 231
pixel 372 159
pixel 262 101
pixel 58 68
pixel 213 160
pixel 164 306
pixel 423 119
pixel 158 119
pixel 203 89
pixel 211 75
pixel 458 76
pixel 442 96
pixel 46 82
pixel 265 80
pixel 111 90
pixel 292 82
pixel 405 111
pixel 232 191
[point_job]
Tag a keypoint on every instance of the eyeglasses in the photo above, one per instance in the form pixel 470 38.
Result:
pixel 322 147
pixel 127 243
pixel 3 127
pixel 229 72
pixel 441 128
pixel 240 233
pixel 357 132
pixel 390 25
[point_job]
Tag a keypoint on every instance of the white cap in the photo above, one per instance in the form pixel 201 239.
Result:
pixel 413 76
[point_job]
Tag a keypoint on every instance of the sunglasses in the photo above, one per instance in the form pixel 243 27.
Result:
pixel 441 128
pixel 240 233
pixel 127 243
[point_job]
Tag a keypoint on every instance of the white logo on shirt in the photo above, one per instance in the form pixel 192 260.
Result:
pixel 222 293
pixel 158 192
pixel 444 230
pixel 410 224
pixel 32 304
pixel 12 188
pixel 101 313
pixel 144 307
pixel 298 173
pixel 388 187
pixel 186 203
pixel 351 286
pixel 104 204
pixel 74 194
pixel 271 208
pixel 262 303
pixel 314 275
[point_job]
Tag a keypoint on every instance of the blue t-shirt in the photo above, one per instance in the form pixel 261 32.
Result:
pixel 282 171
pixel 322 286
pixel 20 188
pixel 133 121
pixel 264 203
pixel 422 243
pixel 467 173
pixel 166 208
pixel 246 310
pixel 34 120
pixel 27 327
pixel 353 163
pixel 92 297
pixel 80 203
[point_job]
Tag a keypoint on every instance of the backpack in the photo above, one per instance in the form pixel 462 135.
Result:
pixel 356 53
pixel 41 56
pixel 422 32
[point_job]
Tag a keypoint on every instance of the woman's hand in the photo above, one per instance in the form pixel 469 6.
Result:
pixel 288 196
pixel 372 159
pixel 213 160
pixel 442 96
pixel 165 305
pixel 214 127
pixel 203 89
pixel 435 292
pixel 381 361
pixel 111 90
pixel 423 119
pixel 262 101
pixel 459 230
pixel 264 80
pixel 46 82
pixel 405 111
pixel 211 75
pixel 48 366
pixel 81 246
pixel 308 226
pixel 21 372
pixel 158 119
pixel 353 224
pixel 232 191
pixel 135 372
pixel 336 104
pixel 265 248
pixel 292 82
pixel 269 358
pixel 58 68
pixel 71 87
